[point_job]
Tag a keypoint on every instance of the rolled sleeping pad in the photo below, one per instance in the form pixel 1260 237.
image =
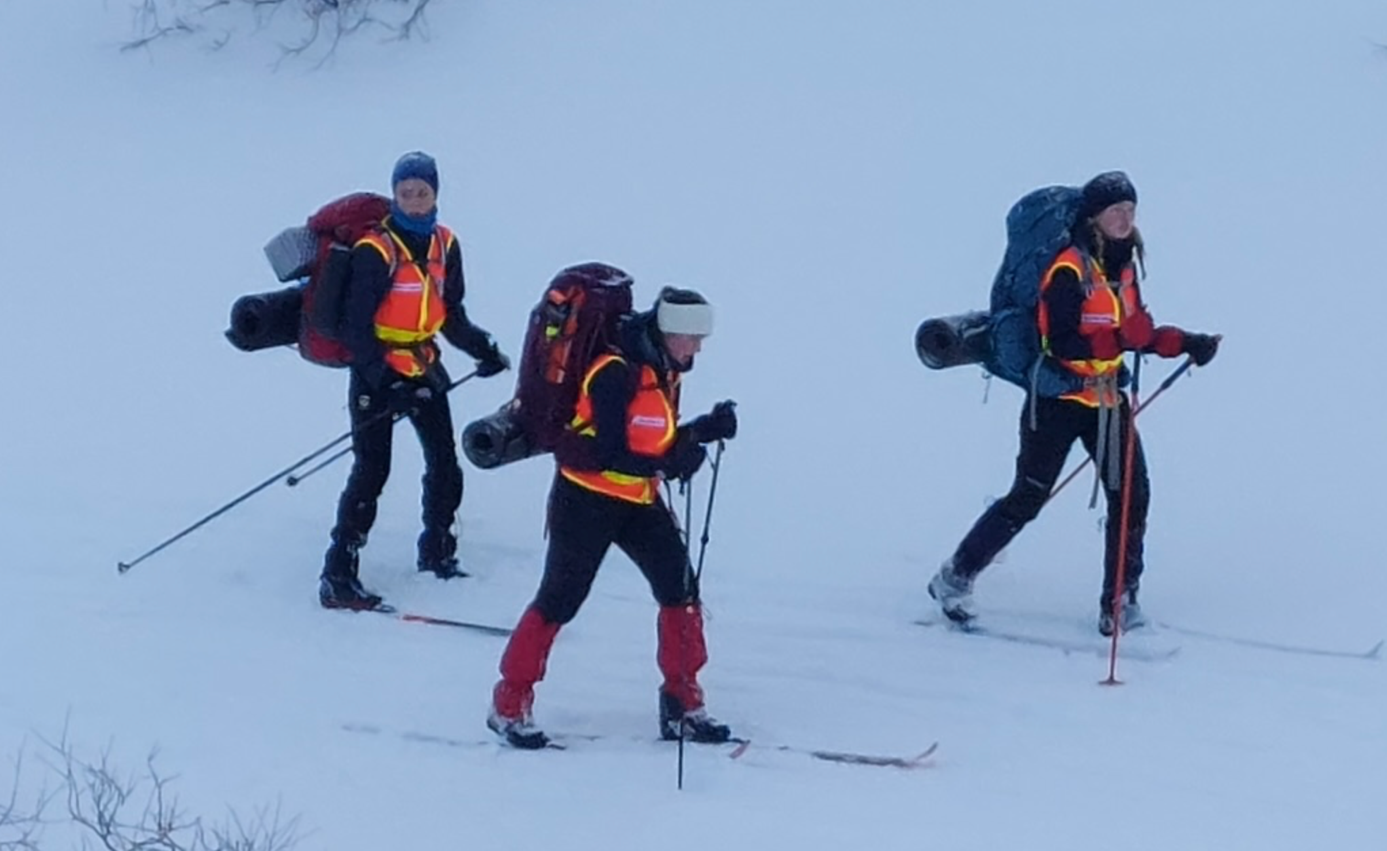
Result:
pixel 956 340
pixel 266 320
pixel 496 440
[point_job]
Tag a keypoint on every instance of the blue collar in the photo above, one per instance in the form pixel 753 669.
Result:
pixel 422 225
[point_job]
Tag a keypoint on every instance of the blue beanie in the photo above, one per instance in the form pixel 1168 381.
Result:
pixel 415 164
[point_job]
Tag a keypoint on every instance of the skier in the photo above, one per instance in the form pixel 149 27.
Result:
pixel 406 286
pixel 1090 313
pixel 606 492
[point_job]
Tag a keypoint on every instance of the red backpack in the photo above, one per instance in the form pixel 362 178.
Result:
pixel 575 321
pixel 321 252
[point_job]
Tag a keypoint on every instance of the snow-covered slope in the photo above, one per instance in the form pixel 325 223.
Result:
pixel 828 175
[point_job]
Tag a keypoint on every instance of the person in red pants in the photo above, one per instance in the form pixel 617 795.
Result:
pixel 606 492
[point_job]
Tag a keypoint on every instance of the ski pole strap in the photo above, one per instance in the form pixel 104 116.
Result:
pixel 1031 398
pixel 686 488
pixel 1107 450
pixel 673 514
pixel 690 581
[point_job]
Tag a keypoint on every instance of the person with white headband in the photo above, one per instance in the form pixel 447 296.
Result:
pixel 606 492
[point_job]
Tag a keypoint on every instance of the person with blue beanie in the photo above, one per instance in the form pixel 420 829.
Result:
pixel 406 287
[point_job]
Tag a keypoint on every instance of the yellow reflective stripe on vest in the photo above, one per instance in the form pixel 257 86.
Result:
pixel 637 489
pixel 588 429
pixel 425 280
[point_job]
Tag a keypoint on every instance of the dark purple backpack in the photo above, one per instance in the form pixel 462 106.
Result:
pixel 575 321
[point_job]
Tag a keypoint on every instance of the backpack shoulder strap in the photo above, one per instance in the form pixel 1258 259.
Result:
pixel 1074 258
pixel 597 365
pixel 383 240
pixel 393 254
pixel 382 245
pixel 446 238
pixel 443 238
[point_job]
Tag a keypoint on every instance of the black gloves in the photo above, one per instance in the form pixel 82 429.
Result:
pixel 685 457
pixel 1201 347
pixel 492 362
pixel 719 424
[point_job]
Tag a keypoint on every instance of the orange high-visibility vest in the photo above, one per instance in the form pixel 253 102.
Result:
pixel 413 311
pixel 1105 307
pixel 651 424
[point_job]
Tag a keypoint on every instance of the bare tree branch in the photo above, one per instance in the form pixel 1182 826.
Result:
pixel 150 27
pixel 118 812
pixel 20 829
pixel 99 799
pixel 415 19
pixel 323 24
pixel 268 830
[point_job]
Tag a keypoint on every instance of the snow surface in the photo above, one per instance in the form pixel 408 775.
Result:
pixel 828 174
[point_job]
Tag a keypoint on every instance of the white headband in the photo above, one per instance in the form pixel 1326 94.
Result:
pixel 692 319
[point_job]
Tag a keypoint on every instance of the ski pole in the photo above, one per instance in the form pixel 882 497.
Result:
pixel 125 566
pixel 293 480
pixel 1128 461
pixel 1136 409
pixel 686 488
pixel 698 573
pixel 708 515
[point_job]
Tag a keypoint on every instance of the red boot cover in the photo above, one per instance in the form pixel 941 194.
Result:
pixel 682 652
pixel 522 665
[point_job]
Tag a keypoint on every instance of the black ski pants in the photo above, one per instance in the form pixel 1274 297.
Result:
pixel 1038 465
pixel 372 444
pixel 583 525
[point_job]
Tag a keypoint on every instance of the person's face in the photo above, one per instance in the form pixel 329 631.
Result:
pixel 682 348
pixel 415 197
pixel 1118 220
